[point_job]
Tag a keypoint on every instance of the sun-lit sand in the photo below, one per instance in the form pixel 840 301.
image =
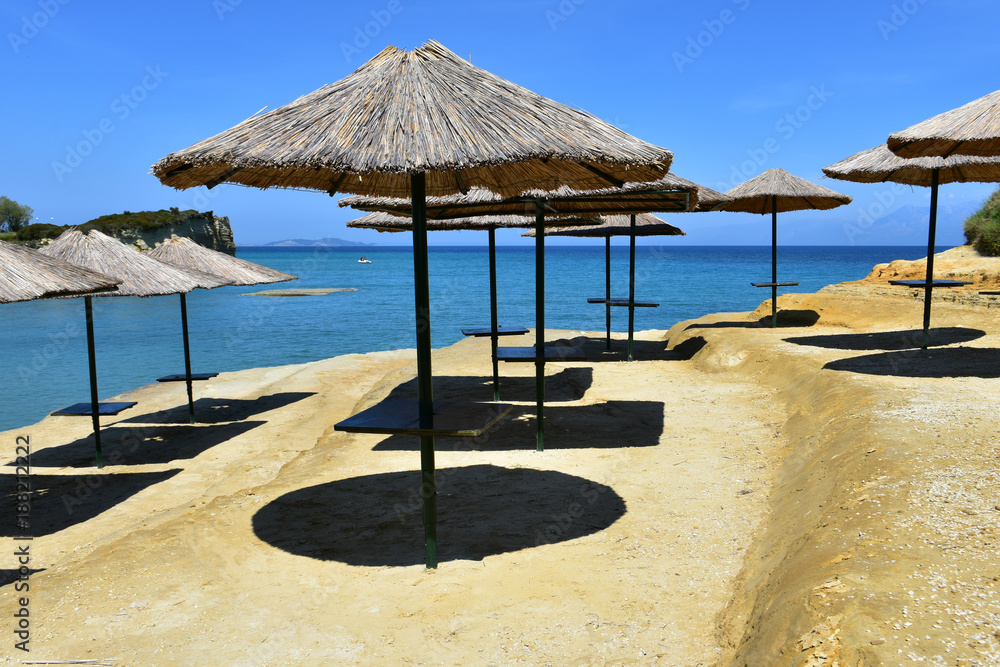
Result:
pixel 823 493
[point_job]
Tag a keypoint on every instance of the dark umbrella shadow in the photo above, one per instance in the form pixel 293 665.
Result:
pixel 569 384
pixel 61 501
pixel 609 425
pixel 595 348
pixel 8 577
pixel 890 340
pixel 965 362
pixel 786 318
pixel 138 445
pixel 483 510
pixel 219 410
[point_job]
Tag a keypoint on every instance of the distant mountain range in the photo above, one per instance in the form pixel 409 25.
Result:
pixel 328 241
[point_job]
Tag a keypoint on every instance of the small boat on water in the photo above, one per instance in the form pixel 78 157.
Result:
pixel 364 260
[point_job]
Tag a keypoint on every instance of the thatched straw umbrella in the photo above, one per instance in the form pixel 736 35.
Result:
pixel 669 193
pixel 140 276
pixel 26 275
pixel 972 129
pixel 185 254
pixel 643 224
pixel 412 124
pixel 879 164
pixel 387 222
pixel 773 191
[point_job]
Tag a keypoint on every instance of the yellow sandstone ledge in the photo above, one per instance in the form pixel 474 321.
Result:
pixel 821 494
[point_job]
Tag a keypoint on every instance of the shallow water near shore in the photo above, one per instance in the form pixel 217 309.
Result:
pixel 139 340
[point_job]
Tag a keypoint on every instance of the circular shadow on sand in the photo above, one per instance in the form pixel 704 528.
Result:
pixel 890 340
pixel 962 362
pixel 483 510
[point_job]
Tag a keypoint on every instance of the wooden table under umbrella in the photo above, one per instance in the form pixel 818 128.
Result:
pixel 185 254
pixel 668 193
pixel 772 192
pixel 417 124
pixel 643 224
pixel 387 222
pixel 879 164
pixel 27 275
pixel 139 275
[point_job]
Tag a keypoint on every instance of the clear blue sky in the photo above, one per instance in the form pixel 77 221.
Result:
pixel 98 92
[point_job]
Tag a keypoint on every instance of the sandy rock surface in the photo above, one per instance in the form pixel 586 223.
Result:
pixel 824 493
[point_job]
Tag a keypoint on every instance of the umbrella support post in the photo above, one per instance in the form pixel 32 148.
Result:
pixel 425 382
pixel 540 324
pixel 92 359
pixel 774 262
pixel 607 288
pixel 931 232
pixel 494 338
pixel 631 287
pixel 187 356
pixel 428 491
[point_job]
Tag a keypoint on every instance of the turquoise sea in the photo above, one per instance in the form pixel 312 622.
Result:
pixel 139 340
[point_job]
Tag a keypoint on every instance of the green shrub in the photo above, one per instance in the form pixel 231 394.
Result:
pixel 38 231
pixel 982 228
pixel 116 222
pixel 140 220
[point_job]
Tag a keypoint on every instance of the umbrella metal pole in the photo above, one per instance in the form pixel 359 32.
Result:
pixel 932 226
pixel 187 355
pixel 540 324
pixel 494 337
pixel 95 406
pixel 631 286
pixel 425 387
pixel 607 287
pixel 774 262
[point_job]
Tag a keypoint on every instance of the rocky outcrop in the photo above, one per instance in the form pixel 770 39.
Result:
pixel 207 229
pixel 961 263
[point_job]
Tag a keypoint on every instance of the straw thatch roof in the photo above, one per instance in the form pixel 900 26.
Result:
pixel 972 129
pixel 646 224
pixel 388 222
pixel 879 164
pixel 792 193
pixel 670 193
pixel 407 112
pixel 185 254
pixel 708 199
pixel 140 275
pixel 26 274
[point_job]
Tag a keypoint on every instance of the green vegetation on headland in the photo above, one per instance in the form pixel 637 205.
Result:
pixel 113 223
pixel 14 216
pixel 982 228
